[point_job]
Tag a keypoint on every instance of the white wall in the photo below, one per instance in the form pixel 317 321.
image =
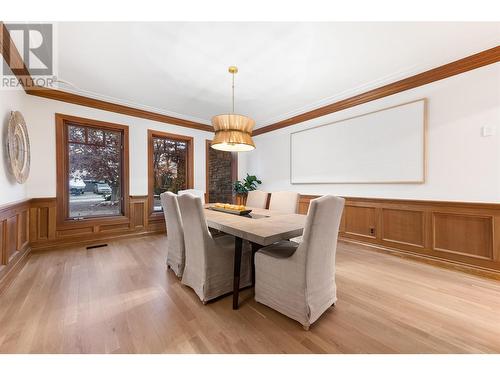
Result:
pixel 40 117
pixel 461 164
pixel 10 190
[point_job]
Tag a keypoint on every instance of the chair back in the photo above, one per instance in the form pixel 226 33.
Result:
pixel 175 231
pixel 319 244
pixel 284 201
pixel 196 193
pixel 257 199
pixel 196 234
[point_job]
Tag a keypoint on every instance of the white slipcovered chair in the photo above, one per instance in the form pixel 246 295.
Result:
pixel 175 233
pixel 298 280
pixel 196 193
pixel 209 261
pixel 284 201
pixel 257 199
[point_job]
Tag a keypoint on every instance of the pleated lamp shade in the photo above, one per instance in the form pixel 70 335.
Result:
pixel 233 132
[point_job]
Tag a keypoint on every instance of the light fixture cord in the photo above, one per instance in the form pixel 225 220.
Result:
pixel 233 92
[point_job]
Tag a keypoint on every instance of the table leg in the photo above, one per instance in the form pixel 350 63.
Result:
pixel 255 247
pixel 238 247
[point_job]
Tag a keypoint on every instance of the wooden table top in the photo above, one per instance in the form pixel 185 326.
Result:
pixel 264 231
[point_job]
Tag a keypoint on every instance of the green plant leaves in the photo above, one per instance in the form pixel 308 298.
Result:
pixel 249 183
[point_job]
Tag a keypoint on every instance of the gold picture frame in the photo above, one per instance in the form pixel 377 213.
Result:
pixel 18 147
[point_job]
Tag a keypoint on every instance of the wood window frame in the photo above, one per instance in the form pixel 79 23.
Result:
pixel 234 168
pixel 62 163
pixel 158 215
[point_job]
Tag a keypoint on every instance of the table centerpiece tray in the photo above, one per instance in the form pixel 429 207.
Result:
pixel 229 211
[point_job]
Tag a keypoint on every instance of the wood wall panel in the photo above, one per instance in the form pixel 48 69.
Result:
pixel 14 235
pixel 403 227
pixel 304 203
pixel 42 220
pixel 75 231
pixel 360 221
pixel 3 261
pixel 11 238
pixel 43 224
pixel 139 213
pixel 468 235
pixel 157 225
pixel 459 233
pixel 138 218
pixel 113 228
pixel 22 229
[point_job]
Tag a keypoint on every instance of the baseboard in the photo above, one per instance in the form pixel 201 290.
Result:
pixel 11 270
pixel 65 243
pixel 429 259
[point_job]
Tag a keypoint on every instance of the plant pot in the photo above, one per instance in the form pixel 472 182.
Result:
pixel 241 198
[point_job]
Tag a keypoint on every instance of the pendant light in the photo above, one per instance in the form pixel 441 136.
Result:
pixel 233 132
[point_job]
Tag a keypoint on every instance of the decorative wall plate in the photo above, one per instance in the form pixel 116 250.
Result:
pixel 18 147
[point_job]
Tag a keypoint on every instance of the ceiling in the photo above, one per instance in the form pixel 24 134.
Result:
pixel 180 69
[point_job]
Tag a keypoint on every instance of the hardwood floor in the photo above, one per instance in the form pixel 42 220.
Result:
pixel 121 299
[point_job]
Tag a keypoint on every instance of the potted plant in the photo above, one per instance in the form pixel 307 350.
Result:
pixel 241 188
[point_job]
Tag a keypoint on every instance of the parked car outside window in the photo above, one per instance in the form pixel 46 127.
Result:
pixel 76 186
pixel 103 189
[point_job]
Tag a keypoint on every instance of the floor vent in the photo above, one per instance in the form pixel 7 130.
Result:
pixel 96 246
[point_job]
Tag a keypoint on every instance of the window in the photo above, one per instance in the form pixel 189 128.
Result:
pixel 91 165
pixel 170 165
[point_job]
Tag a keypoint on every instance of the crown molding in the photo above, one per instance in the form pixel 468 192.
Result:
pixel 93 95
pixel 13 58
pixel 342 95
pixel 466 64
pixel 67 97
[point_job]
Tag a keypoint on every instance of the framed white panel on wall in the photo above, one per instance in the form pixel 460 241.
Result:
pixel 381 147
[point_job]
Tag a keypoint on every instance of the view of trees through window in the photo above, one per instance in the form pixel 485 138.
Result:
pixel 169 167
pixel 94 171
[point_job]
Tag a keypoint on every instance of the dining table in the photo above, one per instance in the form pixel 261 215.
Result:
pixel 261 227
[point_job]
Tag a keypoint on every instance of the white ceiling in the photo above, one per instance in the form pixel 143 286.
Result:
pixel 180 69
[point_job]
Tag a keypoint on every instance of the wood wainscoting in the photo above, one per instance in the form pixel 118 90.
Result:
pixel 47 233
pixel 14 235
pixel 460 233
